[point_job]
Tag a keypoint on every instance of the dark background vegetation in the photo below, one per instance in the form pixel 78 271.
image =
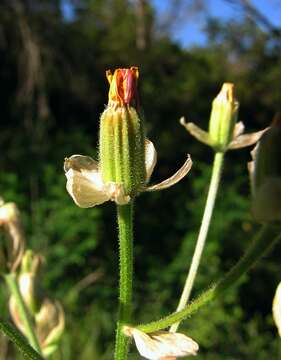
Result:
pixel 52 90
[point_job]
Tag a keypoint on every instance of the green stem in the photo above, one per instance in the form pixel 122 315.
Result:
pixel 203 232
pixel 125 225
pixel 262 243
pixel 16 337
pixel 11 281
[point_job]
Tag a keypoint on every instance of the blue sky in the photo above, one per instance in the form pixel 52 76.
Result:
pixel 190 32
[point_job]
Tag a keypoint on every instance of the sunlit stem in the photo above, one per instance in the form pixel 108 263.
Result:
pixel 203 232
pixel 26 320
pixel 262 243
pixel 125 225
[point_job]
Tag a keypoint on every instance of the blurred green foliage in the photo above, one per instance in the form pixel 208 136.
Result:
pixel 52 91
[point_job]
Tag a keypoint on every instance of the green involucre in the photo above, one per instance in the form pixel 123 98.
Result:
pixel 121 148
pixel 222 121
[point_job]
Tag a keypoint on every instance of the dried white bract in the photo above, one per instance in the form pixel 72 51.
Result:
pixel 86 187
pixel 162 345
pixel 276 308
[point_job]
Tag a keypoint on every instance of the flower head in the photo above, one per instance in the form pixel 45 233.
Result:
pixel 127 158
pixel 123 87
pixel 121 140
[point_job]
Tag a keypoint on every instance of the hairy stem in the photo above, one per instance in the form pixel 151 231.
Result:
pixel 15 336
pixel 26 320
pixel 203 232
pixel 262 243
pixel 125 225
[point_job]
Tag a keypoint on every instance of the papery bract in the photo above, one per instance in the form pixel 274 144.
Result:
pixel 162 345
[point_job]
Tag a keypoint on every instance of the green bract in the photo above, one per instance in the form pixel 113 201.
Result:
pixel 223 117
pixel 121 149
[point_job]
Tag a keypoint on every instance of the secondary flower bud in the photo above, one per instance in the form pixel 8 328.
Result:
pixel 28 277
pixel 121 149
pixel 50 323
pixel 224 132
pixel 223 117
pixel 265 172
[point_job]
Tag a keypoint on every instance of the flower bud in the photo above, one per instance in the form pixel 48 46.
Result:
pixel 265 171
pixel 50 323
pixel 223 117
pixel 12 247
pixel 27 279
pixel 121 148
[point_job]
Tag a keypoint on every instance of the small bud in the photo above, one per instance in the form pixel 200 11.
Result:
pixel 265 172
pixel 28 277
pixel 122 144
pixel 223 117
pixel 11 249
pixel 50 323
